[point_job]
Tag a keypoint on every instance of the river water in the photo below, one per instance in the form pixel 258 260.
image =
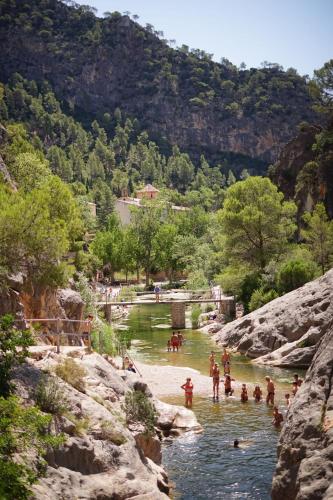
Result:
pixel 206 466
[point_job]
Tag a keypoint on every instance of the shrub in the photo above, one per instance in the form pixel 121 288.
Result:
pixel 103 339
pixel 72 373
pixel 81 424
pixel 50 397
pixel 293 274
pixel 13 350
pixel 261 297
pixel 195 314
pixel 139 408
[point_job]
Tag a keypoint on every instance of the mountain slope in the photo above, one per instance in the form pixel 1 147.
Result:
pixel 180 96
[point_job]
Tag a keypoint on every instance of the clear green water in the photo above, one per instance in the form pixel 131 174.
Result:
pixel 207 466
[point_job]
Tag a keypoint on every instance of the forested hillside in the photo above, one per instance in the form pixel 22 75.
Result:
pixel 180 96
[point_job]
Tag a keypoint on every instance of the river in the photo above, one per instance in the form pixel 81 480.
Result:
pixel 207 466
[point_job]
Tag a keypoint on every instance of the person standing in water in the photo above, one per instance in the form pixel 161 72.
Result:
pixel 157 291
pixel 225 358
pixel 216 381
pixel 277 417
pixel 244 396
pixel 270 391
pixel 188 388
pixel 228 391
pixel 211 363
pixel 174 342
pixel 257 394
pixel 180 338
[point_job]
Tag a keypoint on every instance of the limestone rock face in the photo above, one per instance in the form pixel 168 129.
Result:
pixel 284 331
pixel 102 458
pixel 305 452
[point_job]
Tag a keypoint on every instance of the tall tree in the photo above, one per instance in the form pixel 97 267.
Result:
pixel 319 236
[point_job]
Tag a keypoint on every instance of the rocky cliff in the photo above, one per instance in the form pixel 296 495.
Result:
pixel 305 451
pixel 180 96
pixel 104 456
pixel 284 332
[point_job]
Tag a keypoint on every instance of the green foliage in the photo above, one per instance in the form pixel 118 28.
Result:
pixel 256 222
pixel 23 431
pixel 318 236
pixel 72 373
pixel 86 292
pixel 260 297
pixel 195 313
pixel 293 274
pixel 139 408
pixel 104 339
pixel 14 346
pixel 109 433
pixel 50 397
pixel 321 87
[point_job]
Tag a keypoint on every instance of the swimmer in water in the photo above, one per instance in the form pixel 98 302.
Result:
pixel 244 396
pixel 257 394
pixel 277 417
pixel 236 443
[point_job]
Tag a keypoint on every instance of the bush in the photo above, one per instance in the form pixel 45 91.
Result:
pixel 72 373
pixel 50 397
pixel 139 408
pixel 261 297
pixel 293 274
pixel 103 339
pixel 195 313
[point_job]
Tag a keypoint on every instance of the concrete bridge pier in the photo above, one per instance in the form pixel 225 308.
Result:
pixel 178 315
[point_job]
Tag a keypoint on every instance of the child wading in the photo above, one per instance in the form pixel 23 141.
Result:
pixel 188 388
pixel 257 394
pixel 244 396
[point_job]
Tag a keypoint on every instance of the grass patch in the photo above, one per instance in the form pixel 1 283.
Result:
pixel 110 434
pixel 72 373
pixel 50 397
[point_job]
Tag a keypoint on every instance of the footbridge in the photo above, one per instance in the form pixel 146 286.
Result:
pixel 225 305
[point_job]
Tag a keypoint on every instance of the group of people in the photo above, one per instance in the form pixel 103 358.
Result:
pixel 176 341
pixel 214 372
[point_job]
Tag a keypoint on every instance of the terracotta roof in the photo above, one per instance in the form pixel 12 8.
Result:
pixel 148 189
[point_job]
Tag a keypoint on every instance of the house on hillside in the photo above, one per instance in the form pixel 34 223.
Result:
pixel 123 205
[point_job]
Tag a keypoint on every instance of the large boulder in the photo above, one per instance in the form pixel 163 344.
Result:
pixel 305 451
pixel 298 319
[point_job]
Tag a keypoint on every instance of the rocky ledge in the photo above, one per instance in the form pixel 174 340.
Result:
pixel 286 331
pixel 104 456
pixel 305 451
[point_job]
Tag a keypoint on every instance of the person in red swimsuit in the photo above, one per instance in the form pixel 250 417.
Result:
pixel 174 342
pixel 188 388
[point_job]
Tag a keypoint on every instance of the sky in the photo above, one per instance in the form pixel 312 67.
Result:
pixel 293 33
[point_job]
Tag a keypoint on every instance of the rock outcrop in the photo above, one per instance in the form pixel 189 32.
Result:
pixel 103 456
pixel 285 331
pixel 305 452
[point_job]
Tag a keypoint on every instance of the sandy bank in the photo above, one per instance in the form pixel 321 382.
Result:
pixel 166 380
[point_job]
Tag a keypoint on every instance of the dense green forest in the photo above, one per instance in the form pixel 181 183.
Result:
pixel 180 96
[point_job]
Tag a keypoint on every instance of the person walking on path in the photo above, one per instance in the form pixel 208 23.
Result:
pixel 188 388
pixel 270 390
pixel 211 363
pixel 216 381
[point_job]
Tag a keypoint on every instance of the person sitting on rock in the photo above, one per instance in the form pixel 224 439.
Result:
pixel 131 368
pixel 270 390
pixel 257 394
pixel 188 388
pixel 277 417
pixel 244 396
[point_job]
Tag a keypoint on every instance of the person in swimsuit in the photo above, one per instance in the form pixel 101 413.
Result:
pixel 174 342
pixel 180 338
pixel 287 398
pixel 277 417
pixel 257 394
pixel 244 396
pixel 228 391
pixel 211 363
pixel 270 390
pixel 216 381
pixel 225 357
pixel 188 388
pixel 227 368
pixel 296 383
pixel 169 345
